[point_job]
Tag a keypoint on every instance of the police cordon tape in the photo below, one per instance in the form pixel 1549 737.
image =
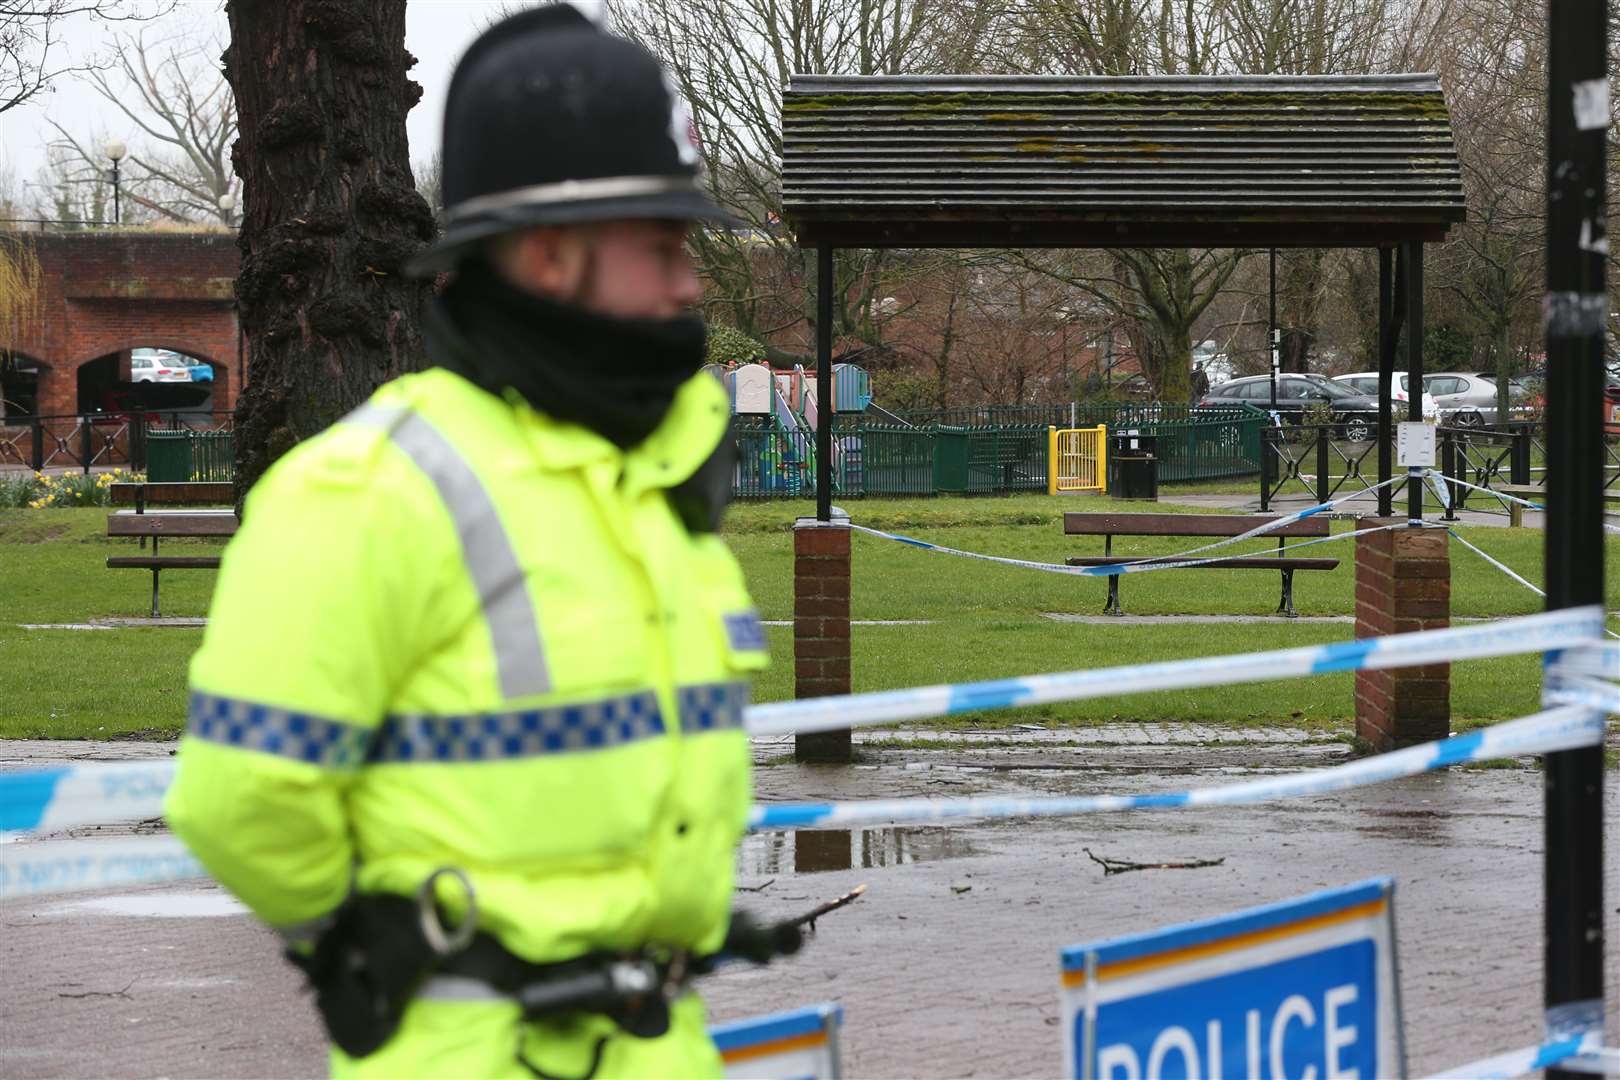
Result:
pixel 1508 570
pixel 30 868
pixel 1565 728
pixel 1549 630
pixel 1180 562
pixel 1158 562
pixel 49 800
pixel 52 800
pixel 1607 527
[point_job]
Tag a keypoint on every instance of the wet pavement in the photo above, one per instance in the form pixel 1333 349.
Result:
pixel 948 966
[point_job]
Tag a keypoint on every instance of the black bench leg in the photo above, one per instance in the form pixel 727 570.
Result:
pixel 155 593
pixel 1286 607
pixel 1113 607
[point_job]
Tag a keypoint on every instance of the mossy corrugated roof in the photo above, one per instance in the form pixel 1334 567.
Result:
pixel 919 160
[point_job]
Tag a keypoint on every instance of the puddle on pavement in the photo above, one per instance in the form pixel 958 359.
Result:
pixel 174 905
pixel 812 851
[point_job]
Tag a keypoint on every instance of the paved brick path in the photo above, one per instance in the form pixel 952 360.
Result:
pixel 933 981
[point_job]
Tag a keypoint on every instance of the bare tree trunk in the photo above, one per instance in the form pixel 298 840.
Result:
pixel 330 217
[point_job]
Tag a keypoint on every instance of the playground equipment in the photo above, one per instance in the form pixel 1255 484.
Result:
pixel 779 409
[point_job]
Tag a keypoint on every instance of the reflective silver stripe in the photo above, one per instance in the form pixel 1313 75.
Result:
pixel 606 187
pixel 314 740
pixel 711 706
pixel 503 591
pixel 459 988
pixel 555 729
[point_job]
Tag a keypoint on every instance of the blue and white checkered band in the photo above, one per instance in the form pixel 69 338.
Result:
pixel 313 740
pixel 556 729
pixel 744 631
pixel 712 706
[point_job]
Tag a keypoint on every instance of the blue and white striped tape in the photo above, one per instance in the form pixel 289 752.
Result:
pixel 1499 494
pixel 32 868
pixel 1519 1062
pixel 1565 728
pixel 1600 659
pixel 1177 561
pixel 48 800
pixel 57 866
pixel 1529 633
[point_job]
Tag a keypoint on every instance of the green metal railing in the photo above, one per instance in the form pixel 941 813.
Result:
pixel 1194 443
pixel 179 456
pixel 884 459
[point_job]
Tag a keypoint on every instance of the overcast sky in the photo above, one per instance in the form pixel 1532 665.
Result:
pixel 436 33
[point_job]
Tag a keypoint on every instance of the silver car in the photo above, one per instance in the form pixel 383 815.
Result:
pixel 1466 398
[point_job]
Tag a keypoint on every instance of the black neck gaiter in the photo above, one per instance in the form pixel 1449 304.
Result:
pixel 617 377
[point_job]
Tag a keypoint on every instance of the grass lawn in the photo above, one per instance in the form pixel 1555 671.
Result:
pixel 983 620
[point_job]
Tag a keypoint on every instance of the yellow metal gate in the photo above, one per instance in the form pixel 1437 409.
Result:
pixel 1079 458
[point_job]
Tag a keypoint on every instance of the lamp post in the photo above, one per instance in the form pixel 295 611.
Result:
pixel 115 150
pixel 227 203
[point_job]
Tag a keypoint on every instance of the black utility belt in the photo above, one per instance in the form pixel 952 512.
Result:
pixel 632 989
pixel 381 948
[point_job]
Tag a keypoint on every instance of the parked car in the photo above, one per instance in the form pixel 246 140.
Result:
pixel 201 370
pixel 157 365
pixel 1468 398
pixel 1356 414
pixel 1366 382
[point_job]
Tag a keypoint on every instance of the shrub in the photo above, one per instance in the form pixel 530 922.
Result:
pixel 728 345
pixel 38 491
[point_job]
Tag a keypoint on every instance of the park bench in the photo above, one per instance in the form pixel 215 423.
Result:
pixel 171 525
pixel 1201 527
pixel 1536 493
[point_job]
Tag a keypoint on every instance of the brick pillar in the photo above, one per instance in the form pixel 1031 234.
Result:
pixel 821 626
pixel 1403 583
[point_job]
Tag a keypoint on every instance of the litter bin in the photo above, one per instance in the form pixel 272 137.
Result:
pixel 168 457
pixel 1133 466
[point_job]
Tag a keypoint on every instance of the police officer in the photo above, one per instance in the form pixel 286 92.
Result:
pixel 476 661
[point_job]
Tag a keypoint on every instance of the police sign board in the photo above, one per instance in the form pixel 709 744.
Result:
pixel 1305 987
pixel 797 1045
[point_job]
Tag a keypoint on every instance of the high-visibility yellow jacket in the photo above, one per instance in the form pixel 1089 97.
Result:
pixel 453 631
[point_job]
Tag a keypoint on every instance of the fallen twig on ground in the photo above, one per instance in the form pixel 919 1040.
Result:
pixel 1125 866
pixel 809 918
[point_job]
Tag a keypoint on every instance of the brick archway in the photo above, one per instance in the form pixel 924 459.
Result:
pixel 106 293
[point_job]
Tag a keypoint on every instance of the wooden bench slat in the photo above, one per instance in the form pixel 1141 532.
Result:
pixel 168 525
pixel 185 493
pixel 163 562
pixel 1237 562
pixel 1076 523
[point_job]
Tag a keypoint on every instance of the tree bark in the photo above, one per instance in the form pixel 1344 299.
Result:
pixel 330 216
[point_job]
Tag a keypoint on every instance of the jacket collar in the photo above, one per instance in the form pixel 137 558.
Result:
pixel 689 433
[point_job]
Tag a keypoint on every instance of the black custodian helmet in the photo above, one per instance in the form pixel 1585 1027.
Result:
pixel 552 121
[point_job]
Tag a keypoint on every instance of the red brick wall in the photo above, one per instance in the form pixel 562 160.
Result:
pixel 821 627
pixel 106 292
pixel 1403 584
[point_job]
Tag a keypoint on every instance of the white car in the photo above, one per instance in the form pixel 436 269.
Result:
pixel 157 365
pixel 1366 382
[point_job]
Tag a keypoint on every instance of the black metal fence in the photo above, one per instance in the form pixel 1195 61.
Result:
pixel 885 459
pixel 95 440
pixel 1312 460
